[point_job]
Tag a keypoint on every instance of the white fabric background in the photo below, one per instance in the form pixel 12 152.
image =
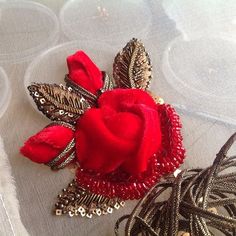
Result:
pixel 37 186
pixel 9 206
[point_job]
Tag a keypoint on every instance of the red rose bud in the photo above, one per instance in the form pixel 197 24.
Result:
pixel 84 72
pixel 123 132
pixel 47 144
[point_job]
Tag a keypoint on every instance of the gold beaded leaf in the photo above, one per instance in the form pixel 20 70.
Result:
pixel 132 67
pixel 76 201
pixel 58 102
pixel 91 98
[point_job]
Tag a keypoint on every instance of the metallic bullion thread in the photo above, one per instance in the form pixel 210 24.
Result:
pixel 202 202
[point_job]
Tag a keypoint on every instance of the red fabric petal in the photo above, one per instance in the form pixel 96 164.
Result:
pixel 149 140
pixel 84 72
pixel 123 132
pixel 125 186
pixel 98 147
pixel 120 99
pixel 47 144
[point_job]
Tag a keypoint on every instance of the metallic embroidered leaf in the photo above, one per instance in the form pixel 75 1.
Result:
pixel 90 97
pixel 108 84
pixel 58 103
pixel 132 67
pixel 82 202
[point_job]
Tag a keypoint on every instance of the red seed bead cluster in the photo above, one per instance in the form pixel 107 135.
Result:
pixel 166 160
pixel 172 153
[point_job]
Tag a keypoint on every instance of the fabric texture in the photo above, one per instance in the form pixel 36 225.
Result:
pixel 124 131
pixel 84 72
pixel 47 144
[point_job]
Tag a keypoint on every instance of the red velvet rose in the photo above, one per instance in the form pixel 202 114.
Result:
pixel 124 131
pixel 47 144
pixel 84 72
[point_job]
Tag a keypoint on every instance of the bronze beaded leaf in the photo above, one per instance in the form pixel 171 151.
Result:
pixel 90 97
pixel 108 84
pixel 76 201
pixel 58 102
pixel 132 67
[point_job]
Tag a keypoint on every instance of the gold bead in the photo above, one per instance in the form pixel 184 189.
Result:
pixel 89 215
pixel 183 233
pixel 161 101
pixel 71 214
pixel 81 209
pixel 212 210
pixel 82 213
pixel 104 212
pixel 109 210
pixel 117 206
pixel 98 212
pixel 58 212
pixel 156 98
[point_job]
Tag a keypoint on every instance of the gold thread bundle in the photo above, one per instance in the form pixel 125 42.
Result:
pixel 202 202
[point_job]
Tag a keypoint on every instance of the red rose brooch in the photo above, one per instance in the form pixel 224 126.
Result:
pixel 120 137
